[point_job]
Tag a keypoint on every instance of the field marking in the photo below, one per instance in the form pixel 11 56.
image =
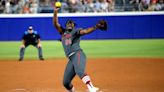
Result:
pixel 45 90
pixel 20 90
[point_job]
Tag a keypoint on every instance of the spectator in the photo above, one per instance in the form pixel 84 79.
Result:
pixel 152 6
pixel 26 8
pixel 34 7
pixel 64 7
pixel 160 5
pixel 104 5
pixel 134 5
pixel 46 6
pixel 146 1
pixel 14 6
pixel 144 5
pixel 20 6
pixel 81 7
pixel 1 7
pixel 89 6
pixel 110 5
pixel 7 7
pixel 119 5
pixel 73 6
pixel 98 6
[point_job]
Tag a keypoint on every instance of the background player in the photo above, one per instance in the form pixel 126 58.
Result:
pixel 77 59
pixel 31 37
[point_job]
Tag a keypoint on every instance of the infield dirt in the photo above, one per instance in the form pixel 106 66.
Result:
pixel 109 74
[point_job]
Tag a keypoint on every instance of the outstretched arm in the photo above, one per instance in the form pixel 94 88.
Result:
pixel 55 20
pixel 89 30
pixel 102 25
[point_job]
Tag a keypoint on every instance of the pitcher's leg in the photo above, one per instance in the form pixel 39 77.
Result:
pixel 69 74
pixel 79 65
pixel 79 62
pixel 87 80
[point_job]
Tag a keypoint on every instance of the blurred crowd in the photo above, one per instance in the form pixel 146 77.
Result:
pixel 73 6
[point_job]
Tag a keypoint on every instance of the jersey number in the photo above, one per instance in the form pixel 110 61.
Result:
pixel 68 41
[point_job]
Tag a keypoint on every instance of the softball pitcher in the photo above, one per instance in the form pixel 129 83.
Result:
pixel 77 59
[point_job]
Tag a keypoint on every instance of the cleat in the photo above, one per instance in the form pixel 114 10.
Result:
pixel 94 89
pixel 20 59
pixel 41 58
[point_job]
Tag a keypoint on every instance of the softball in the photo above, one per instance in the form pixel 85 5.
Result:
pixel 58 4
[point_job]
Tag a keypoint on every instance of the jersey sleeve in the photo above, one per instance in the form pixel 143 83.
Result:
pixel 78 31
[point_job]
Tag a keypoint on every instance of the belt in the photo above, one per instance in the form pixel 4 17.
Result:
pixel 71 54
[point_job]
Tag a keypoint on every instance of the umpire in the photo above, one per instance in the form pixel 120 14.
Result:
pixel 31 37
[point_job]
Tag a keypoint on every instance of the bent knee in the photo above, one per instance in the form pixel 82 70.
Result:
pixel 22 46
pixel 39 45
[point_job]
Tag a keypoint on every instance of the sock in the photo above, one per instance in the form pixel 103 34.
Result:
pixel 86 79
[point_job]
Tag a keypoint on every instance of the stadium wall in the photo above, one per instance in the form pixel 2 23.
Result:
pixel 121 25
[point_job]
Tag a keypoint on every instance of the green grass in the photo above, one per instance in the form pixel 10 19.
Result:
pixel 153 48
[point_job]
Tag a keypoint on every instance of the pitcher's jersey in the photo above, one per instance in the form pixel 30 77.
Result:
pixel 71 41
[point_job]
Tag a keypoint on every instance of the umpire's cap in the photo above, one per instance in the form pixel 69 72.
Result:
pixel 30 27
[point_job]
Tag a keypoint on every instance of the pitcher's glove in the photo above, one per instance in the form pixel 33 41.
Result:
pixel 102 25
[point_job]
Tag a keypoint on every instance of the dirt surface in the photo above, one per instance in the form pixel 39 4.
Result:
pixel 110 75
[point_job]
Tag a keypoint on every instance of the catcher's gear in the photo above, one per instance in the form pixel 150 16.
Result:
pixel 102 25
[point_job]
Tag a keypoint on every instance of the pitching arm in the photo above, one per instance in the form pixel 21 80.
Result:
pixel 55 20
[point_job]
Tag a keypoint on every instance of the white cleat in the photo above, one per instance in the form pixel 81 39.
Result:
pixel 94 89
